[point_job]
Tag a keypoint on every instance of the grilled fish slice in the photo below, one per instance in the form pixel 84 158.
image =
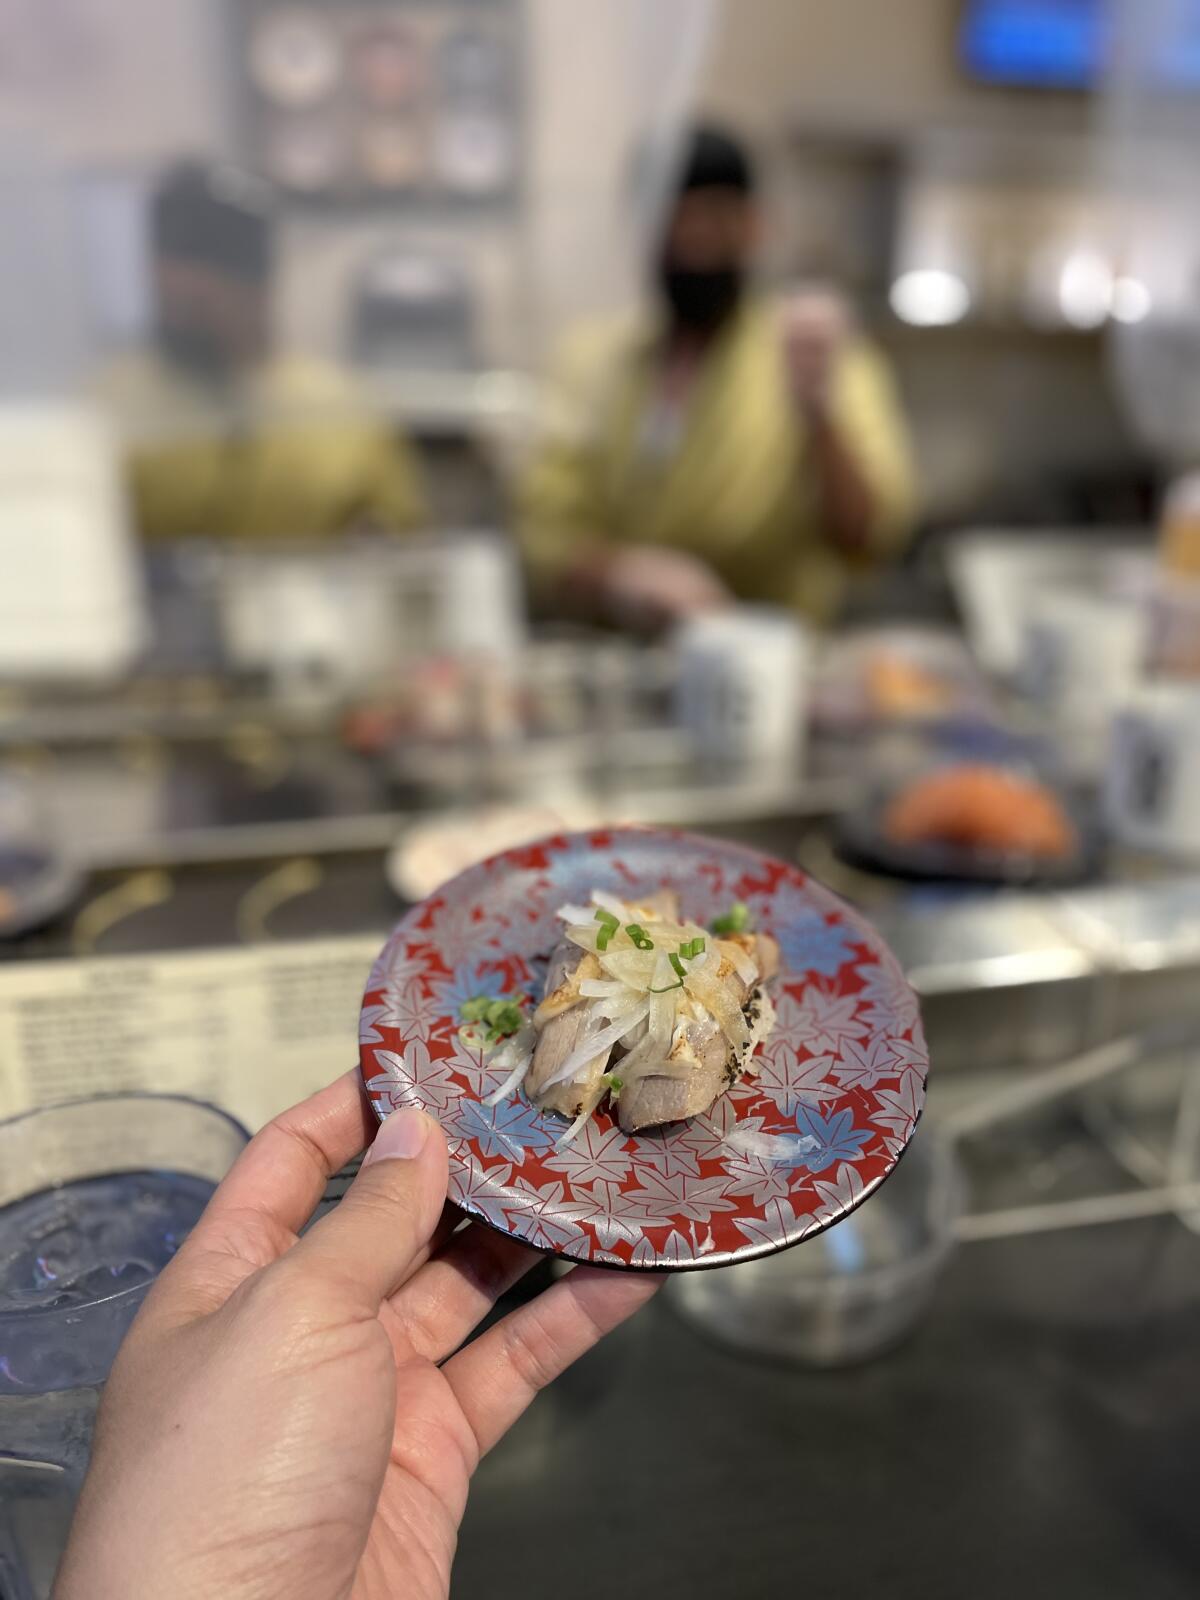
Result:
pixel 560 1020
pixel 657 1094
pixel 660 1095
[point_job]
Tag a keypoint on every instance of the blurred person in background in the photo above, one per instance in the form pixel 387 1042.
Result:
pixel 224 436
pixel 735 447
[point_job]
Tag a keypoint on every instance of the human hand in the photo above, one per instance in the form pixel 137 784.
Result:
pixel 652 586
pixel 288 1417
pixel 816 323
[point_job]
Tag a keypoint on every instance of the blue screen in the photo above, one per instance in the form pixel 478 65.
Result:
pixel 1052 44
pixel 1067 44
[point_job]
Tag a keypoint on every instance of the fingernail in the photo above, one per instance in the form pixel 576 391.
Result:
pixel 401 1136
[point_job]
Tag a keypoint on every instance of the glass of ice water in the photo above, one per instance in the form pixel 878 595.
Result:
pixel 95 1197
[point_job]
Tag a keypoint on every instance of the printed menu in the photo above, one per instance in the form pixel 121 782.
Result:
pixel 252 1029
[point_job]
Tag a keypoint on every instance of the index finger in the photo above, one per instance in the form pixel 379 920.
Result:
pixel 265 1199
pixel 281 1174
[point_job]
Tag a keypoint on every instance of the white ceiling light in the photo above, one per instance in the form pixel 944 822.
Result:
pixel 929 297
pixel 1131 300
pixel 1085 289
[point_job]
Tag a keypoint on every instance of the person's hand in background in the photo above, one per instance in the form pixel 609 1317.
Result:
pixel 644 588
pixel 288 1417
pixel 816 325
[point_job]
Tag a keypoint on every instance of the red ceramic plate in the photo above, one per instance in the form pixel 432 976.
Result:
pixel 843 1075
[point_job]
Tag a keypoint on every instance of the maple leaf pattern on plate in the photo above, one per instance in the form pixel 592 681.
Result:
pixel 511 1129
pixel 369 1019
pixel 449 995
pixel 899 1109
pixel 845 1067
pixel 473 1066
pixel 810 943
pixel 391 1088
pixel 395 968
pixel 761 1180
pixel 912 1057
pixel 863 1066
pixel 792 1083
pixel 777 1221
pixel 593 1155
pixel 840 1195
pixel 609 1213
pixel 818 1022
pixel 837 1137
pixel 887 1000
pixel 544 1216
pixel 432 1083
pixel 456 929
pixel 706 1134
pixel 484 1194
pixel 670 1155
pixel 412 1013
pixel 659 1198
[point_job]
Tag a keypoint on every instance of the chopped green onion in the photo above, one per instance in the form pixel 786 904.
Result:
pixel 603 937
pixel 667 987
pixel 500 1019
pixel 678 965
pixel 692 949
pixel 641 939
pixel 504 1018
pixel 613 1083
pixel 607 918
pixel 732 921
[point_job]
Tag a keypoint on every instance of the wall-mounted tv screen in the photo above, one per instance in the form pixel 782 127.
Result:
pixel 1050 44
pixel 1069 44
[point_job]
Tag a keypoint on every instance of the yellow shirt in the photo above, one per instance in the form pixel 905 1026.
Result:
pixel 734 486
pixel 291 452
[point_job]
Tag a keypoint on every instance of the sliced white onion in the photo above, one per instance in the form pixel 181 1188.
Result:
pixel 516 1053
pixel 610 903
pixel 583 936
pixel 664 974
pixel 623 1004
pixel 743 964
pixel 632 967
pixel 577 1127
pixel 602 989
pixel 576 914
pixel 722 1004
pixel 597 1044
pixel 662 1015
pixel 781 1147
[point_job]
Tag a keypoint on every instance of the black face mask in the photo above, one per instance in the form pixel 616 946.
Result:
pixel 701 299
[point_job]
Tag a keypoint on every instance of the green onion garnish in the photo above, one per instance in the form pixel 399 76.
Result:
pixel 607 917
pixel 614 1084
pixel 501 1018
pixel 641 939
pixel 678 965
pixel 504 1018
pixel 608 926
pixel 732 921
pixel 692 949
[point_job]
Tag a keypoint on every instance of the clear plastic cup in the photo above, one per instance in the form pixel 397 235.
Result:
pixel 95 1196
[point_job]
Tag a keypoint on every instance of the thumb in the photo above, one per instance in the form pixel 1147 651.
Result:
pixel 391 1209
